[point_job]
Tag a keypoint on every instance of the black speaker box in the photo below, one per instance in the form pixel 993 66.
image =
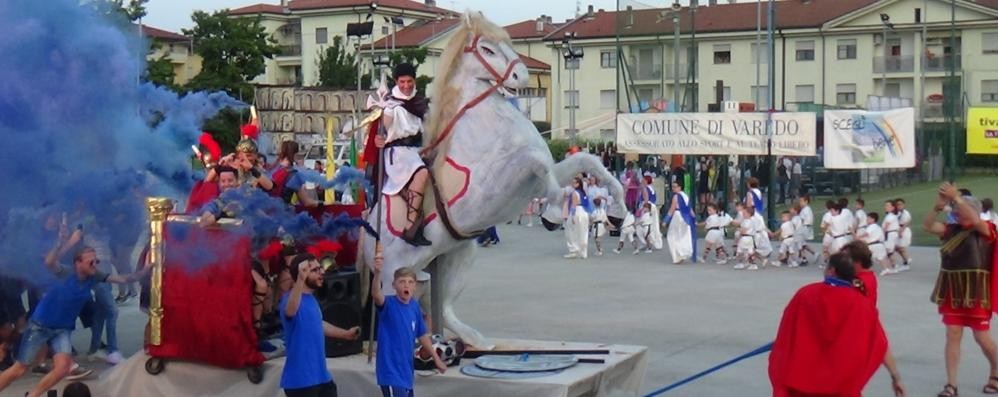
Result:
pixel 340 300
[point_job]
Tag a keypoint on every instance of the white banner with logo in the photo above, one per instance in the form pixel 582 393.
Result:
pixel 857 139
pixel 716 133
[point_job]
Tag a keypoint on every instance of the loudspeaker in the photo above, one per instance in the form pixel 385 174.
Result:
pixel 339 299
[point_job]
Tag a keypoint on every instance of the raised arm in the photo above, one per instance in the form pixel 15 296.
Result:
pixel 930 224
pixel 294 297
pixel 376 293
pixel 61 248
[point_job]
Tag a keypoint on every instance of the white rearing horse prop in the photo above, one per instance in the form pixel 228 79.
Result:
pixel 487 162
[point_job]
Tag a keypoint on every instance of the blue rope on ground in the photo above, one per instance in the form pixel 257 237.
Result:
pixel 761 349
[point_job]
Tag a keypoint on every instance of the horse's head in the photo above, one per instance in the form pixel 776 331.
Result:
pixel 489 58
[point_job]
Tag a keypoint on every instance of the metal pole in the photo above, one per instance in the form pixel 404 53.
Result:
pixel 675 61
pixel 883 65
pixel 952 91
pixel 758 46
pixel 920 142
pixel 771 194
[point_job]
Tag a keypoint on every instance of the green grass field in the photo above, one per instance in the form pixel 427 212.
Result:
pixel 919 197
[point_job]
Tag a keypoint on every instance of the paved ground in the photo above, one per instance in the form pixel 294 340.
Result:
pixel 691 317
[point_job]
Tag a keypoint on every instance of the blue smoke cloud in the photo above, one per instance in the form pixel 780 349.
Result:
pixel 80 135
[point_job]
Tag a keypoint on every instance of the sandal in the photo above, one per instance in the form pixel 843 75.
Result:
pixel 948 391
pixel 991 387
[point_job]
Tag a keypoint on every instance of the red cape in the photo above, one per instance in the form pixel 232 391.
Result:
pixel 830 342
pixel 202 193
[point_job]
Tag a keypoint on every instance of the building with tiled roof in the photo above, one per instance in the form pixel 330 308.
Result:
pixel 303 29
pixel 826 52
pixel 434 36
pixel 177 49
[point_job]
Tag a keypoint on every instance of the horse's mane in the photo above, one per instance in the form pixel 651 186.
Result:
pixel 446 90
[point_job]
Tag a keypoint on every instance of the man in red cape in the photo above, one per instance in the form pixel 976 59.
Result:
pixel 830 341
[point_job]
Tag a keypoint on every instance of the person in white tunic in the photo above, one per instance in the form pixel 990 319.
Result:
pixel 681 235
pixel 891 230
pixel 904 222
pixel 840 228
pixel 807 231
pixel 763 247
pixel 745 238
pixel 645 226
pixel 873 236
pixel 714 241
pixel 788 243
pixel 860 214
pixel 577 221
pixel 599 221
pixel 405 169
pixel 628 232
pixel 847 213
pixel 826 223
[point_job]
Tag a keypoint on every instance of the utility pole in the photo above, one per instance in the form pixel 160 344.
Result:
pixel 953 96
pixel 572 57
pixel 675 57
pixel 771 194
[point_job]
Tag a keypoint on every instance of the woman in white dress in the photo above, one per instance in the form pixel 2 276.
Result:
pixel 681 236
pixel 577 221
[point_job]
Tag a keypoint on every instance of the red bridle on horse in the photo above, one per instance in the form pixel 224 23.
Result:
pixel 500 79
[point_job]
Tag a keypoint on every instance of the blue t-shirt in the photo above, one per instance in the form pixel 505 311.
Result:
pixel 305 342
pixel 399 324
pixel 63 302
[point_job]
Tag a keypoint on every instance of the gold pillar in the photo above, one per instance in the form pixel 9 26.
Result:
pixel 158 208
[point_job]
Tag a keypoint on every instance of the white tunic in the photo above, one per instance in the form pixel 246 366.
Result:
pixel 627 228
pixel 679 236
pixel 839 228
pixel 904 220
pixel 873 236
pixel 577 229
pixel 746 237
pixel 762 244
pixel 714 225
pixel 891 232
pixel 400 161
pixel 599 221
pixel 826 223
pixel 860 218
pixel 787 236
pixel 807 218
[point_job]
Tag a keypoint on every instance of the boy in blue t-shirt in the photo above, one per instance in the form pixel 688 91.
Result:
pixel 400 323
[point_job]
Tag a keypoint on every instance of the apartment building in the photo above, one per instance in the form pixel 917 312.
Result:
pixel 533 100
pixel 177 48
pixel 304 29
pixel 827 52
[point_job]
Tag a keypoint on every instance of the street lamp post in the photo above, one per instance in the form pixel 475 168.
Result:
pixel 675 56
pixel 572 57
pixel 952 96
pixel 885 22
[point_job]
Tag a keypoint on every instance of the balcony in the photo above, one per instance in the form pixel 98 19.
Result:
pixel 894 64
pixel 293 50
pixel 647 73
pixel 937 63
pixel 684 71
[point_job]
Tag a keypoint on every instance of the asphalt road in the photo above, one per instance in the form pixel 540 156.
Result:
pixel 691 317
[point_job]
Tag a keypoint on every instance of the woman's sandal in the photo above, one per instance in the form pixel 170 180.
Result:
pixel 992 386
pixel 948 391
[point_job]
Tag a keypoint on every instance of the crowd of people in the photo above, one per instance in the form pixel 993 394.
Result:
pixel 286 272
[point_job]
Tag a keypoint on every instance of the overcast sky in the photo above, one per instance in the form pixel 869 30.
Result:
pixel 176 14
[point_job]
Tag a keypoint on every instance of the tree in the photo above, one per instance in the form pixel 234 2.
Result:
pixel 233 50
pixel 132 11
pixel 337 69
pixel 159 71
pixel 415 56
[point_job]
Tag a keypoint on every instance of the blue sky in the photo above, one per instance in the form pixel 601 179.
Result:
pixel 176 14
